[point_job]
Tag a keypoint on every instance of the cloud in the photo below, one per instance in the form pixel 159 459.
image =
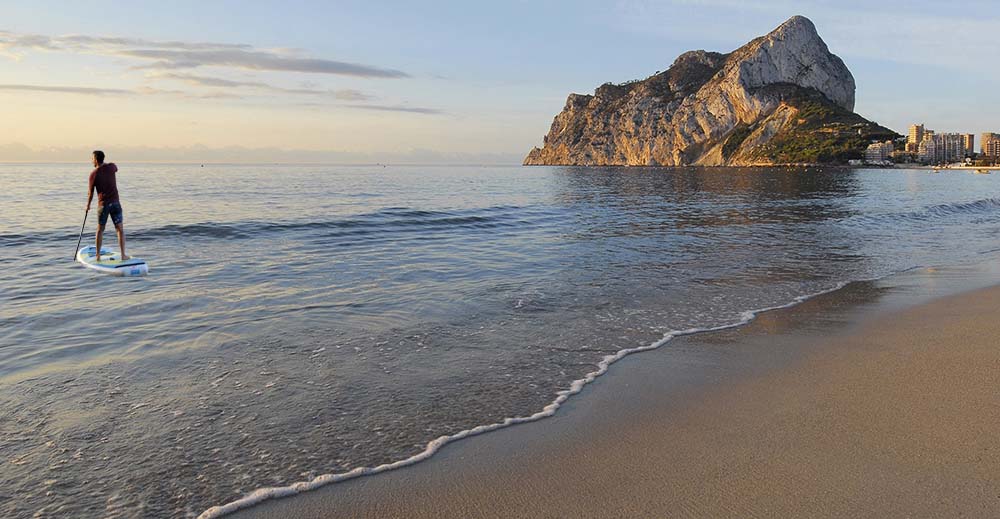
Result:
pixel 216 82
pixel 197 80
pixel 77 42
pixel 351 95
pixel 342 95
pixel 172 59
pixel 30 41
pixel 63 89
pixel 398 108
pixel 83 42
pixel 174 55
pixel 168 61
pixel 145 90
pixel 67 89
pixel 376 108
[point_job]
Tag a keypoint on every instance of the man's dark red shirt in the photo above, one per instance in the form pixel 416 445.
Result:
pixel 103 180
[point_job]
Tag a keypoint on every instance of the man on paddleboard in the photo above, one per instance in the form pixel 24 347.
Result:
pixel 102 180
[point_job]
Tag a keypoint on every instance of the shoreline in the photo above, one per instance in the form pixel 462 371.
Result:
pixel 513 452
pixel 687 166
pixel 262 495
pixel 761 166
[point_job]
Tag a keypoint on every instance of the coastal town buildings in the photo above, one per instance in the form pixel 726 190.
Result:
pixel 936 148
pixel 879 152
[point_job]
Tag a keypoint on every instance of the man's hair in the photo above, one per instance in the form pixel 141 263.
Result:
pixel 99 155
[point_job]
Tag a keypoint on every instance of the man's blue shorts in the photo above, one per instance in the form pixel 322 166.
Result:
pixel 112 209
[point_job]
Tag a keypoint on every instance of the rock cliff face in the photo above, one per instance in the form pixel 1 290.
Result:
pixel 753 106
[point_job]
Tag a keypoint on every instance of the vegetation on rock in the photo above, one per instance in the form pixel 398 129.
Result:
pixel 822 132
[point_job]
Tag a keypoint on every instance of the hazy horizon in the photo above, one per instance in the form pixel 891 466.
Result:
pixel 240 155
pixel 441 83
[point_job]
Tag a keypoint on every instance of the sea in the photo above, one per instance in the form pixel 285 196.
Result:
pixel 301 322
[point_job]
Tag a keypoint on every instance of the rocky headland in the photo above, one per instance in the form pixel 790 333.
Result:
pixel 783 98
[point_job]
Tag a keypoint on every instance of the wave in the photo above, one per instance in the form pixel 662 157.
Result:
pixel 384 221
pixel 575 387
pixel 938 211
pixel 985 205
pixel 404 220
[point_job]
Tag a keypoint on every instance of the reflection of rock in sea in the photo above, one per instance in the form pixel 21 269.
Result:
pixel 782 98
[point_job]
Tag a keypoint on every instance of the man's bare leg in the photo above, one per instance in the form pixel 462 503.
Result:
pixel 120 229
pixel 100 234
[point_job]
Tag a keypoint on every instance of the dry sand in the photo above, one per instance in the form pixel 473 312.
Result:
pixel 819 413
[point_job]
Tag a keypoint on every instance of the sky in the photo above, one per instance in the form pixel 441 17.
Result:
pixel 432 81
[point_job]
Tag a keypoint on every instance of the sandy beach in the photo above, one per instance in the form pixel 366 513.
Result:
pixel 845 406
pixel 627 259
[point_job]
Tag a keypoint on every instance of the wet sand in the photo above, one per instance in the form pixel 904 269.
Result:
pixel 854 404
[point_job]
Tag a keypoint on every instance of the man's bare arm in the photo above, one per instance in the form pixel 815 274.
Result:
pixel 90 191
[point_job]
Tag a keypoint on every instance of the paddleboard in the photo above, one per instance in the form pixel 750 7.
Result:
pixel 111 262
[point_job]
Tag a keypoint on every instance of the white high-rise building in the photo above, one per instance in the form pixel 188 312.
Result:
pixel 942 147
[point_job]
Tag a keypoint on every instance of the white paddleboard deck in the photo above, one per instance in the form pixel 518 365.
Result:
pixel 111 262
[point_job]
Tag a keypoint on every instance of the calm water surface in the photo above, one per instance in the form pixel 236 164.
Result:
pixel 301 320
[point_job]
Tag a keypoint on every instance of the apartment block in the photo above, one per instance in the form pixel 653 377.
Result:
pixel 988 144
pixel 879 152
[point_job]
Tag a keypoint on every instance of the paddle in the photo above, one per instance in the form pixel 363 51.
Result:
pixel 79 241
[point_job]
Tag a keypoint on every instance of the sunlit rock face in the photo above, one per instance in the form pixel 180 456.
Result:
pixel 693 113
